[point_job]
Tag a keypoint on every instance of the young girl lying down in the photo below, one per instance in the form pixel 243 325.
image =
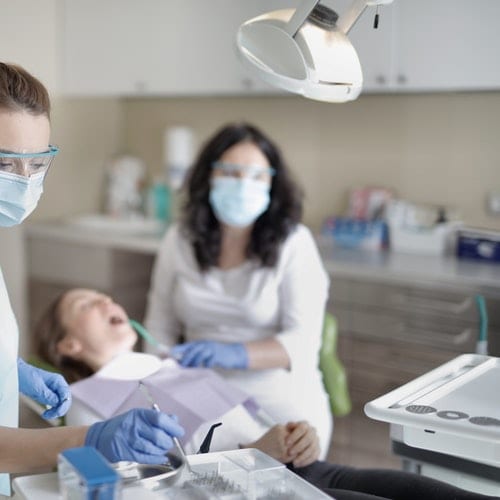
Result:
pixel 88 337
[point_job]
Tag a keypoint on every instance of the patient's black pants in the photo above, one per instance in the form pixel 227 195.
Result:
pixel 348 483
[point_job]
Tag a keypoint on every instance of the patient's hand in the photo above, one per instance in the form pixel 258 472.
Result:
pixel 273 442
pixel 302 443
pixel 295 442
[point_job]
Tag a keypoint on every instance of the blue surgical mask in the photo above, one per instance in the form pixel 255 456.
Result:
pixel 19 196
pixel 239 201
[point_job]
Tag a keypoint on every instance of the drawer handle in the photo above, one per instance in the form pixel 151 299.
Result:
pixel 436 339
pixel 434 304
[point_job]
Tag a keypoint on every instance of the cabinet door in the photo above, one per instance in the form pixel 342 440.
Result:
pixel 374 46
pixel 157 47
pixel 448 44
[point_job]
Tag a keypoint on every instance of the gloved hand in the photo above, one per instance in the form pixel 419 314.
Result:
pixel 211 354
pixel 47 388
pixel 141 435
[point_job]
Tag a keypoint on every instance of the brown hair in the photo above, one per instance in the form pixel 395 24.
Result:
pixel 21 91
pixel 49 331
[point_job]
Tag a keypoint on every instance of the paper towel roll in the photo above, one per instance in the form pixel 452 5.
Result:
pixel 178 145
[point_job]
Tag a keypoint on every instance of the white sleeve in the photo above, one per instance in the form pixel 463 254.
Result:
pixel 303 295
pixel 160 318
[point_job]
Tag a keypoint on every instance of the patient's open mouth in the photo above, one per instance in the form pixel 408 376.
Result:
pixel 116 320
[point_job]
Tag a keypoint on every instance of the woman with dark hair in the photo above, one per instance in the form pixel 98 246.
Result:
pixel 240 280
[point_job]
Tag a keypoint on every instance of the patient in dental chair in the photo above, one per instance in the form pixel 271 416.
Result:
pixel 86 336
pixel 89 339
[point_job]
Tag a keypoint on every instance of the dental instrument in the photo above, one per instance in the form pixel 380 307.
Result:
pixel 176 441
pixel 163 349
pixel 482 341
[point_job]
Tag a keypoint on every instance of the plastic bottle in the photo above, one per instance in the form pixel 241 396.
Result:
pixel 159 201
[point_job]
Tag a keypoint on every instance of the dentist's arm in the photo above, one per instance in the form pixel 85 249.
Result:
pixel 28 450
pixel 141 435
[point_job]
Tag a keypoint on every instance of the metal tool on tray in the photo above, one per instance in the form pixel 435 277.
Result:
pixel 176 441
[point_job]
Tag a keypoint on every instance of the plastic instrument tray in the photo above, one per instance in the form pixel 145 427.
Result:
pixel 246 474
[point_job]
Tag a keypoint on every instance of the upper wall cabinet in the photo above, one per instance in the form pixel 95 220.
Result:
pixel 158 47
pixel 186 47
pixel 447 44
pixel 429 45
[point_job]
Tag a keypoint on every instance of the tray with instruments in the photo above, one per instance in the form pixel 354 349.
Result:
pixel 246 474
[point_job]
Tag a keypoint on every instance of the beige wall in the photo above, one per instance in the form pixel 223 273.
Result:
pixel 88 132
pixel 430 148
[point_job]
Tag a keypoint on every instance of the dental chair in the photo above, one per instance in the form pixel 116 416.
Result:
pixel 332 369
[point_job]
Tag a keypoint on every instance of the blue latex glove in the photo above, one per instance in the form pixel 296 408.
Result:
pixel 211 354
pixel 141 435
pixel 47 388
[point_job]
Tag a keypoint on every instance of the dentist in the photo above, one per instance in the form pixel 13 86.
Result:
pixel 139 435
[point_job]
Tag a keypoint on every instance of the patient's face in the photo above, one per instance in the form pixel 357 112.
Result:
pixel 98 326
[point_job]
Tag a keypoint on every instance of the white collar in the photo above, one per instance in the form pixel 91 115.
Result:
pixel 130 366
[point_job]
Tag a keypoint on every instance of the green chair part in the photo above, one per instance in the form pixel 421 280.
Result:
pixel 332 369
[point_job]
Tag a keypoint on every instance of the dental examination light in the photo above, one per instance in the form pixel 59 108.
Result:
pixel 306 51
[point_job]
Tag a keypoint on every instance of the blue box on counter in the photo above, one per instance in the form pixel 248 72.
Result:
pixel 356 233
pixel 478 244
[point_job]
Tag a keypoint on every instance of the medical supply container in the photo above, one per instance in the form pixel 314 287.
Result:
pixel 356 233
pixel 84 474
pixel 479 244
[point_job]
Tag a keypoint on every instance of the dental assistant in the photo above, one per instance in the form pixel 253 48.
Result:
pixel 241 281
pixel 25 157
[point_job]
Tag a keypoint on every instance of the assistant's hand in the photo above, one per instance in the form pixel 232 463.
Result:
pixel 302 443
pixel 141 435
pixel 47 388
pixel 211 354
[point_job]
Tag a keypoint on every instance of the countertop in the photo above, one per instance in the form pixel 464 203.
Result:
pixel 383 266
pixel 72 233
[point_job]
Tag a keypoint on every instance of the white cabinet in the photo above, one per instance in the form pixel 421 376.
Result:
pixel 428 45
pixel 186 47
pixel 375 47
pixel 157 47
pixel 448 44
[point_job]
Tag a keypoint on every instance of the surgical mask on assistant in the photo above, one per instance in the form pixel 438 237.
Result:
pixel 19 196
pixel 239 201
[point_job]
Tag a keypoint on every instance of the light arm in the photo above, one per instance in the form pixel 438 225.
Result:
pixel 299 16
pixel 349 18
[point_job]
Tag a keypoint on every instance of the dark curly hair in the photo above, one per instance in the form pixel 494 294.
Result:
pixel 270 229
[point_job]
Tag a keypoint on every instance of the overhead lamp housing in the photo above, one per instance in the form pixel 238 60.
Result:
pixel 305 50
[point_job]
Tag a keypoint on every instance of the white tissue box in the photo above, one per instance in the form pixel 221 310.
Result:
pixel 435 240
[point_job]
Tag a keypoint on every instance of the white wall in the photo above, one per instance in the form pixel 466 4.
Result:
pixel 87 131
pixel 28 37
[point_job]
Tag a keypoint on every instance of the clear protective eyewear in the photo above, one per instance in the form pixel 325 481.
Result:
pixel 27 164
pixel 255 172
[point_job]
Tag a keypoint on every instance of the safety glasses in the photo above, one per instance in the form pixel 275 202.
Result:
pixel 255 172
pixel 27 164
